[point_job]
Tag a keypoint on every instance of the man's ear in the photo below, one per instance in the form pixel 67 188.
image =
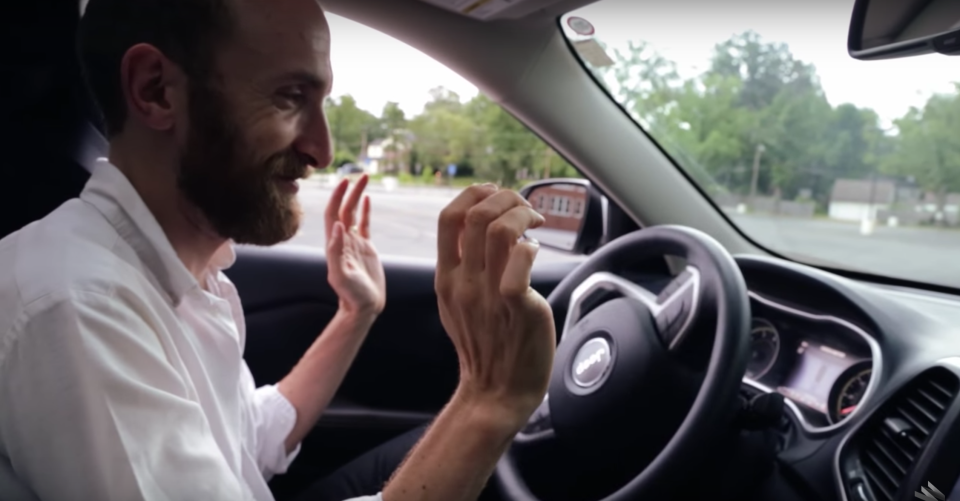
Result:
pixel 149 81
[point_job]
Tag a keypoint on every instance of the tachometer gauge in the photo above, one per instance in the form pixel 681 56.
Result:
pixel 848 391
pixel 764 348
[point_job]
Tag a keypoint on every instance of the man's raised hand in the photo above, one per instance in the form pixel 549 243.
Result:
pixel 502 329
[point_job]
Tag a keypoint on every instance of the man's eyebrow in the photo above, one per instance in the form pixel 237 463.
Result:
pixel 305 77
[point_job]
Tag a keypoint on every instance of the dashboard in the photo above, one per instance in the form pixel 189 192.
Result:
pixel 870 378
pixel 821 363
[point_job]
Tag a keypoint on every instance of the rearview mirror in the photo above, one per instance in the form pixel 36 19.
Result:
pixel 573 211
pixel 887 29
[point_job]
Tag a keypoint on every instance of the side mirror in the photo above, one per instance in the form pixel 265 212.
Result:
pixel 574 212
pixel 887 29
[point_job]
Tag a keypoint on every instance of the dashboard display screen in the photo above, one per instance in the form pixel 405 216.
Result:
pixel 814 373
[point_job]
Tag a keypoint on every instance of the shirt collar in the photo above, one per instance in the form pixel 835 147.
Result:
pixel 111 193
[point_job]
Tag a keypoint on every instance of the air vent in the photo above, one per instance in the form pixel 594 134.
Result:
pixel 897 435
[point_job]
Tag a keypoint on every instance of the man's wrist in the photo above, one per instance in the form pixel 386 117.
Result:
pixel 357 318
pixel 494 413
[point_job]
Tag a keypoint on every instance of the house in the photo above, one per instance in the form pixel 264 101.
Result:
pixel 951 203
pixel 861 199
pixel 562 206
pixel 382 154
pixel 371 159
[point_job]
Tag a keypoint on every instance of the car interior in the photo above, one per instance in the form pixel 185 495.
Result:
pixel 733 372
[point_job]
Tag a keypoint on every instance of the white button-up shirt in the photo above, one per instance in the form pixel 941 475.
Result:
pixel 121 378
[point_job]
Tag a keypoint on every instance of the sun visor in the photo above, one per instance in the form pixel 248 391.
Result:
pixel 492 9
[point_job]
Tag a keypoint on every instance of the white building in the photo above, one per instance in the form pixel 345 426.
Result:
pixel 379 153
pixel 860 199
pixel 374 158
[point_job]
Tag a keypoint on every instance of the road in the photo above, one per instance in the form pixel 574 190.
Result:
pixel 923 254
pixel 404 224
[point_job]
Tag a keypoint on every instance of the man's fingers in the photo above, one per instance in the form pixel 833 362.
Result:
pixel 478 219
pixel 502 236
pixel 515 281
pixel 348 211
pixel 332 213
pixel 451 222
pixel 365 217
pixel 335 250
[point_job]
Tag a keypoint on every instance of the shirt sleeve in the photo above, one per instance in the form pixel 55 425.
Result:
pixel 92 409
pixel 274 418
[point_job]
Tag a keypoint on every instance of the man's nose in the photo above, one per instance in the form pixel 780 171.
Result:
pixel 314 140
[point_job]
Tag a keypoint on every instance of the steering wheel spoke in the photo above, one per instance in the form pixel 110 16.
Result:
pixel 676 308
pixel 539 427
pixel 673 309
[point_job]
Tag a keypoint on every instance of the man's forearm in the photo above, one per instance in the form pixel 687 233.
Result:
pixel 457 455
pixel 312 383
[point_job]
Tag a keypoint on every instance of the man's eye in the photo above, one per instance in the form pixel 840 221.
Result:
pixel 292 98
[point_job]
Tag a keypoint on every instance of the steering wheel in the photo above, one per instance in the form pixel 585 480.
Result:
pixel 622 386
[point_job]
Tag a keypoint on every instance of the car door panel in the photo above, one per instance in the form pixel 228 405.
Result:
pixel 406 364
pixel 403 374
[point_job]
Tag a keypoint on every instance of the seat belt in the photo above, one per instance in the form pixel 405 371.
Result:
pixel 91 146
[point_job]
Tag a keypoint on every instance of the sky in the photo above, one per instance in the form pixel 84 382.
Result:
pixel 375 68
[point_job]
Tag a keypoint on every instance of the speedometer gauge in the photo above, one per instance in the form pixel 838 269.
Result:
pixel 764 348
pixel 848 391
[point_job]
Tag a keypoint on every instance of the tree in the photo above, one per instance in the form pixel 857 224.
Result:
pixel 508 148
pixel 445 134
pixel 350 126
pixel 645 82
pixel 755 97
pixel 928 147
pixel 394 123
pixel 766 69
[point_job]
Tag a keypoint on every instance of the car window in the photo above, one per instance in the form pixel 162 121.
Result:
pixel 422 133
pixel 813 154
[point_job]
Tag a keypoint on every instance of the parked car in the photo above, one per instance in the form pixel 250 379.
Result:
pixel 348 169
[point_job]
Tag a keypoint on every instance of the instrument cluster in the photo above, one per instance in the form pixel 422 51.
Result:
pixel 821 363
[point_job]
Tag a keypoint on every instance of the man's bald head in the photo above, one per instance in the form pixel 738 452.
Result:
pixel 190 33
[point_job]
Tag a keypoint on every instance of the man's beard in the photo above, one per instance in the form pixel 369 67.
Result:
pixel 235 190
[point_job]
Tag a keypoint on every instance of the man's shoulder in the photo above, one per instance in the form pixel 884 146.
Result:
pixel 73 249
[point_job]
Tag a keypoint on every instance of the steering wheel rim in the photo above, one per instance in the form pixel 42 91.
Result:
pixel 723 287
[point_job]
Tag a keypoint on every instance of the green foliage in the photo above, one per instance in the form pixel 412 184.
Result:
pixel 755 96
pixel 928 148
pixel 348 126
pixel 343 157
pixel 481 138
pixel 426 176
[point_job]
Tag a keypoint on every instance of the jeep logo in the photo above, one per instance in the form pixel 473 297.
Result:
pixel 592 362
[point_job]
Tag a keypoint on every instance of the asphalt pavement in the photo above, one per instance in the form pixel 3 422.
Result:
pixel 923 254
pixel 404 223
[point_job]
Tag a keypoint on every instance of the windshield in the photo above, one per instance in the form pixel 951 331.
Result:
pixel 817 156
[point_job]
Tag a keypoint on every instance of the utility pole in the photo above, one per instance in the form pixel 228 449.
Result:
pixel 546 163
pixel 363 142
pixel 756 173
